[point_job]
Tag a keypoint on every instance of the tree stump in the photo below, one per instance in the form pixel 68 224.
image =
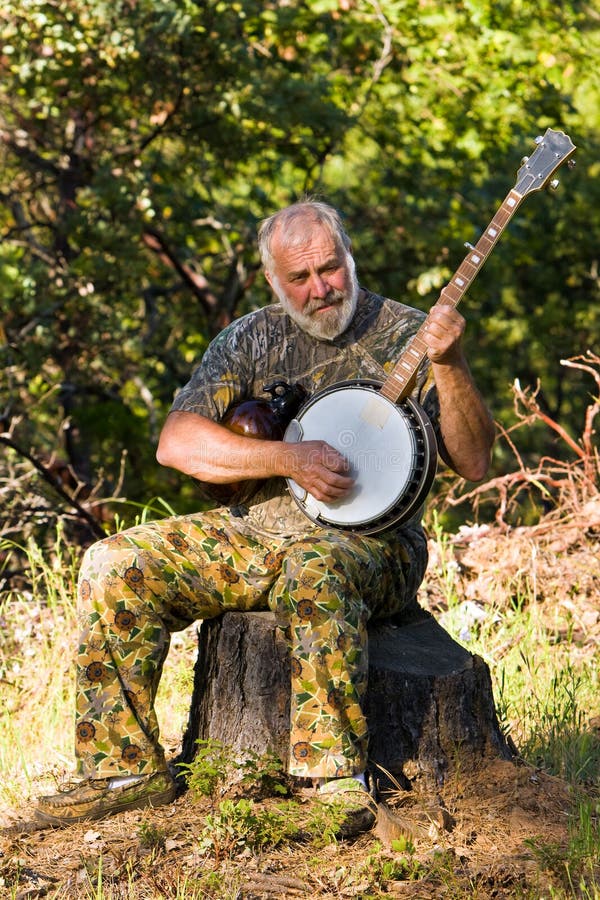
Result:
pixel 429 701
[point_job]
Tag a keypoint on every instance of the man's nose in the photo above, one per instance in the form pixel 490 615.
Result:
pixel 318 286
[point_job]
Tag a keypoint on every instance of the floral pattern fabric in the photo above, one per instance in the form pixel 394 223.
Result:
pixel 137 587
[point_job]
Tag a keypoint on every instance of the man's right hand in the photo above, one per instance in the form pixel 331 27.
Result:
pixel 319 468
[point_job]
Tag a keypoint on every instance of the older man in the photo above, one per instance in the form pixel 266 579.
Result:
pixel 323 583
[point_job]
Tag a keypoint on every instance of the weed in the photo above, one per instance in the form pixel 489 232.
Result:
pixel 557 739
pixel 215 764
pixel 209 769
pixel 446 567
pixel 321 824
pixel 263 774
pixel 244 824
pixel 235 826
pixel 151 837
pixel 401 865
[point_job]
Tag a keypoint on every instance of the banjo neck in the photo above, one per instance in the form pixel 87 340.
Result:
pixel 399 382
pixel 552 150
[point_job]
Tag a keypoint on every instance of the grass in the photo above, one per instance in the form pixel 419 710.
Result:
pixel 544 696
pixel 546 692
pixel 36 678
pixel 38 636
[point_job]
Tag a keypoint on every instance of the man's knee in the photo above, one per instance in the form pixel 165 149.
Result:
pixel 327 555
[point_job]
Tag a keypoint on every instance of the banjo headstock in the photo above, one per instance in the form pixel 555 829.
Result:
pixel 553 149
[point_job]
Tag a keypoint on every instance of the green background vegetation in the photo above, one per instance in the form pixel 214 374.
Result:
pixel 142 141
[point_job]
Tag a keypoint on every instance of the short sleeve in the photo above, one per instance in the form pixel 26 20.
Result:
pixel 221 379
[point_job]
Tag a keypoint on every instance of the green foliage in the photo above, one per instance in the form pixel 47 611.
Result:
pixel 142 141
pixel 241 824
pixel 263 774
pixel 401 866
pixel 208 770
pixel 214 764
pixel 235 826
pixel 560 742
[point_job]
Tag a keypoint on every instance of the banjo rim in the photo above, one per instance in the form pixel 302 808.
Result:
pixel 414 492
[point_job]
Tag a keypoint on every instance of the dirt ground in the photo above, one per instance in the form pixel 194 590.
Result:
pixel 492 830
pixel 470 839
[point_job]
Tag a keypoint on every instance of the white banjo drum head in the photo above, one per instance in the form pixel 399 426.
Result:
pixel 376 438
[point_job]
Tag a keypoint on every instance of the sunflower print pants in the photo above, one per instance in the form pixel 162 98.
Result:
pixel 139 586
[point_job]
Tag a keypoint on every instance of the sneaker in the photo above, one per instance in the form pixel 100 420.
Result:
pixel 354 801
pixel 96 798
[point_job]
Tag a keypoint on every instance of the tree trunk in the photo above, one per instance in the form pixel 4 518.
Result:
pixel 429 701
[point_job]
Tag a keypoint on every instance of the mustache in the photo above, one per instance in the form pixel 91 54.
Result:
pixel 333 297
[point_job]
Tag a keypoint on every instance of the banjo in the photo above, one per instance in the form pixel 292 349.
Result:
pixel 385 434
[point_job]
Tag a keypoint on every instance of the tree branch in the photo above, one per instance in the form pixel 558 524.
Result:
pixel 55 484
pixel 157 242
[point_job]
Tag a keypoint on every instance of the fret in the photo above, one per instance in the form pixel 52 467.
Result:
pixel 452 293
pixel 390 390
pixel 397 377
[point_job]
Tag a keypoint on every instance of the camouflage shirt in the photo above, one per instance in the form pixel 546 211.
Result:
pixel 267 345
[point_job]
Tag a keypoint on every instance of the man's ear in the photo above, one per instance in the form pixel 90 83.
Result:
pixel 269 277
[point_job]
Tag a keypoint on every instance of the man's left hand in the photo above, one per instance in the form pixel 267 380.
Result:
pixel 444 330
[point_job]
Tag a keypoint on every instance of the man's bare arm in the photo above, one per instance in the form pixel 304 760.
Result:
pixel 466 424
pixel 197 446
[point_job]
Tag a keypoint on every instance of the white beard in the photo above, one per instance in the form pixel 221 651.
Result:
pixel 325 325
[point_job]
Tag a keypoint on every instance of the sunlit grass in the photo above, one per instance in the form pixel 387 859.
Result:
pixel 545 696
pixel 38 641
pixel 36 648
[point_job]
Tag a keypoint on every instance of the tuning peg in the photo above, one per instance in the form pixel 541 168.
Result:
pixel 524 160
pixel 539 139
pixel 469 245
pixel 571 163
pixel 554 184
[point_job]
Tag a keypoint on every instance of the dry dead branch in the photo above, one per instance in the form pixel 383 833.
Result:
pixel 568 489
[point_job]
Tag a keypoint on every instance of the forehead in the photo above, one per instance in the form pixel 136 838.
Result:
pixel 303 247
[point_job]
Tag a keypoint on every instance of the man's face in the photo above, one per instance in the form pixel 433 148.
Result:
pixel 315 282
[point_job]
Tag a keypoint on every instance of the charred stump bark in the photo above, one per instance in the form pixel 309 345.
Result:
pixel 429 701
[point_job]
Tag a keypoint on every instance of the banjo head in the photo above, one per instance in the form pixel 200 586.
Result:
pixel 385 445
